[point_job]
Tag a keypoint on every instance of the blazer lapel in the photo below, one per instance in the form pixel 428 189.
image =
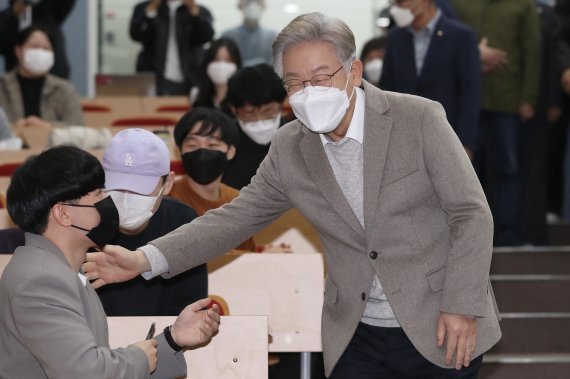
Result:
pixel 320 169
pixel 377 129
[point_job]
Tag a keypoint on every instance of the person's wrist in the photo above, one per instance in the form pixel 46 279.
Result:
pixel 143 263
pixel 171 334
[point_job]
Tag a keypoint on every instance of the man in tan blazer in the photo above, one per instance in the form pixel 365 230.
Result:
pixel 406 229
pixel 52 324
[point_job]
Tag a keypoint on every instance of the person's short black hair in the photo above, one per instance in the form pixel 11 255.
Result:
pixel 25 34
pixel 378 43
pixel 213 121
pixel 255 85
pixel 62 173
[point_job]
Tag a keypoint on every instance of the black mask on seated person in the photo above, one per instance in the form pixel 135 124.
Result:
pixel 204 165
pixel 103 233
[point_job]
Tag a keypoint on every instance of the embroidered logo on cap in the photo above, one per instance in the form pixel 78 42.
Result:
pixel 128 160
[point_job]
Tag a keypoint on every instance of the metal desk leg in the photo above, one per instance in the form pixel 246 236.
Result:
pixel 305 365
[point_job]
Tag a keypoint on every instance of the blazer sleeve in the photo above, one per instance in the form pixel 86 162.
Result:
pixel 221 229
pixel 70 113
pixel 468 216
pixel 469 94
pixel 50 321
pixel 170 364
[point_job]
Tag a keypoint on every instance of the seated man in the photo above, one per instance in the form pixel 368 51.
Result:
pixel 255 97
pixel 52 324
pixel 138 179
pixel 207 140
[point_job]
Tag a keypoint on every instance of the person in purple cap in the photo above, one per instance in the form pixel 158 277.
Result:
pixel 138 178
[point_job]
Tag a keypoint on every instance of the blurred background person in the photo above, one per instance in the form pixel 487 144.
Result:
pixel 207 140
pixel 510 48
pixel 372 56
pixel 172 33
pixel 254 41
pixel 221 61
pixel 21 14
pixel 140 192
pixel 431 55
pixel 535 134
pixel 563 16
pixel 29 94
pixel 255 98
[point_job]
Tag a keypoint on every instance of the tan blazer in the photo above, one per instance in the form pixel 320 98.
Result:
pixel 52 326
pixel 60 104
pixel 425 215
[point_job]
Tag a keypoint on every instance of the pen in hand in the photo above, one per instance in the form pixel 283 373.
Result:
pixel 150 333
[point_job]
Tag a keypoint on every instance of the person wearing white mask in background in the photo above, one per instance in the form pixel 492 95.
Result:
pixel 29 94
pixel 254 41
pixel 220 62
pixel 255 98
pixel 138 179
pixel 372 57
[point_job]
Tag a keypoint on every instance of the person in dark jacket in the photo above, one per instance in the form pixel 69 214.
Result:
pixel 20 14
pixel 436 57
pixel 172 33
pixel 255 97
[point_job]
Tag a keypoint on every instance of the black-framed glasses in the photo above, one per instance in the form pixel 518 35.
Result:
pixel 322 80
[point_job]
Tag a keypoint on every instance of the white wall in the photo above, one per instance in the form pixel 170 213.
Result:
pixel 119 52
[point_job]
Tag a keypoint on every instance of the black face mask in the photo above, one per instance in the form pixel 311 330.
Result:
pixel 103 233
pixel 204 165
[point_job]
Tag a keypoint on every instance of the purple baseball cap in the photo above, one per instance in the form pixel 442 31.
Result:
pixel 135 160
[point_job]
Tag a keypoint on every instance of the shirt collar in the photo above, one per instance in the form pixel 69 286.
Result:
pixel 430 27
pixel 356 127
pixel 83 278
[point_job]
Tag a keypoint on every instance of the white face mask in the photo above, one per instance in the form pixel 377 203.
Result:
pixel 252 11
pixel 402 16
pixel 261 131
pixel 220 71
pixel 38 61
pixel 321 109
pixel 373 70
pixel 134 210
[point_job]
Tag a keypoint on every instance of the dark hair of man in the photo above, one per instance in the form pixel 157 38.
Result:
pixel 205 84
pixel 378 43
pixel 60 174
pixel 25 34
pixel 213 122
pixel 255 85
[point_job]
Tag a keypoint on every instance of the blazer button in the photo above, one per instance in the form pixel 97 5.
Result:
pixel 363 296
pixel 373 255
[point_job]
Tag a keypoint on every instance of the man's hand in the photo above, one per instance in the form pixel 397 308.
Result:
pixel 553 114
pixel 193 8
pixel 461 334
pixel 114 264
pixel 526 111
pixel 149 348
pixel 195 326
pixel 38 122
pixel 153 5
pixel 491 58
pixel 565 80
pixel 18 7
